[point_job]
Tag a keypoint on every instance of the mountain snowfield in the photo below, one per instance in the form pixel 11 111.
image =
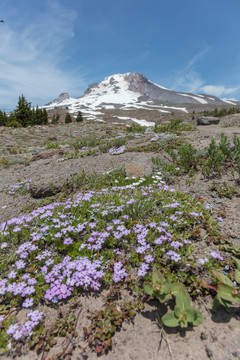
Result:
pixel 130 92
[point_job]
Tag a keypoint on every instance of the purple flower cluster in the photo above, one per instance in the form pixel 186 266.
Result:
pixel 216 255
pixel 107 224
pixel 18 332
pixel 119 272
pixel 22 186
pixel 143 269
pixel 173 255
pixel 68 274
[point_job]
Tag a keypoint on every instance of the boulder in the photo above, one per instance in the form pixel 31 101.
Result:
pixel 134 170
pixel 207 120
pixel 42 189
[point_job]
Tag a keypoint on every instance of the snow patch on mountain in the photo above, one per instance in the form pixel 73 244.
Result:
pixel 201 101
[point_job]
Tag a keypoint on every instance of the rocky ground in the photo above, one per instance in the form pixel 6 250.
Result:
pixel 45 155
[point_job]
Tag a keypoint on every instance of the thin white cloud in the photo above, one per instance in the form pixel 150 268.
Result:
pixel 219 90
pixel 31 59
pixel 197 57
pixel 189 82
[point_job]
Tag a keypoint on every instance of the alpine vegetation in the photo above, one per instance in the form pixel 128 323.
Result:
pixel 110 238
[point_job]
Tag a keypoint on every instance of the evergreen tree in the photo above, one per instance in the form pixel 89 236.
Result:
pixel 45 117
pixel 23 112
pixel 68 118
pixel 11 121
pixel 79 117
pixel 55 118
pixel 3 118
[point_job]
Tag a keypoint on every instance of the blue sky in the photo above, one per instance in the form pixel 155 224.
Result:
pixel 53 46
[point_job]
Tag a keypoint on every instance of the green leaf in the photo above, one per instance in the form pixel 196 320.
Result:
pixel 237 262
pixel 177 311
pixel 222 278
pixel 148 289
pixel 198 319
pixel 183 323
pixel 190 314
pixel 225 292
pixel 183 299
pixel 237 276
pixel 163 297
pixel 170 320
pixel 157 277
pixel 175 287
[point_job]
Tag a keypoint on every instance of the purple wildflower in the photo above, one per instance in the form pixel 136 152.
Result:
pixel 12 274
pixel 12 328
pixel 148 258
pixel 67 241
pixel 20 264
pixel 27 303
pixel 174 256
pixel 216 255
pixel 143 269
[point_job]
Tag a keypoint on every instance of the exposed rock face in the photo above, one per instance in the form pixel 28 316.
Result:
pixel 89 88
pixel 61 98
pixel 139 83
pixel 207 120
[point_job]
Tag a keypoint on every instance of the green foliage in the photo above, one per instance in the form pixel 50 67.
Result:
pixel 174 126
pixel 51 145
pixel 136 129
pixel 225 191
pixel 105 145
pixel 5 162
pixel 24 116
pixel 219 155
pixel 3 118
pixel 105 322
pixel 227 292
pixel 223 111
pixel 68 118
pixel 163 289
pixel 55 118
pixel 186 157
pixel 90 141
pixel 39 116
pixel 23 112
pixel 79 117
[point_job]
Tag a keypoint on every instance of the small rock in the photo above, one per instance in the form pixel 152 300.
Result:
pixel 209 352
pixel 203 233
pixel 203 336
pixel 235 353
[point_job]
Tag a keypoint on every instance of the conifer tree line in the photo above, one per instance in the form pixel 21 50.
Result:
pixel 24 115
pixel 223 111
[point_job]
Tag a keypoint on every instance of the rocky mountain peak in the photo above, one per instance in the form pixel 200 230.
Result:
pixel 61 98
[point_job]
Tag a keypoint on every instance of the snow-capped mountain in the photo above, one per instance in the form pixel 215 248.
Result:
pixel 131 91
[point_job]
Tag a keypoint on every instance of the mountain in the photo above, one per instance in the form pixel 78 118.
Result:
pixel 132 91
pixel 62 97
